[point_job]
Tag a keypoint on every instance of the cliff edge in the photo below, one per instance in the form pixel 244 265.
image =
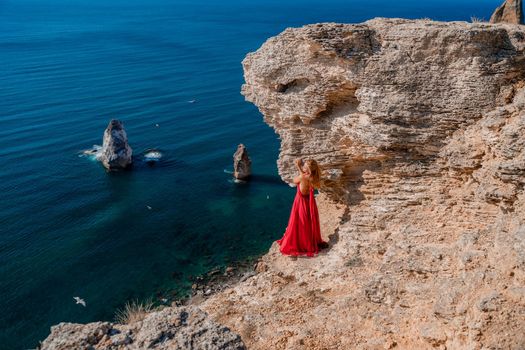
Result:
pixel 420 129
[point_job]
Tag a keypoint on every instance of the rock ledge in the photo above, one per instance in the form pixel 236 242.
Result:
pixel 181 328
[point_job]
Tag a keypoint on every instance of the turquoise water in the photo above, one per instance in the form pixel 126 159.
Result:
pixel 68 228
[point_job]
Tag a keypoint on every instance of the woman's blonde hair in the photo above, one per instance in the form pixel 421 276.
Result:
pixel 315 172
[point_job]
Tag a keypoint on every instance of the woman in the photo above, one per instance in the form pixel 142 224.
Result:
pixel 303 234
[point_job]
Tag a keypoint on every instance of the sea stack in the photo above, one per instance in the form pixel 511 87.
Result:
pixel 116 153
pixel 511 11
pixel 242 165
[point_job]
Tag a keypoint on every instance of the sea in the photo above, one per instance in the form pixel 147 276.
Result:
pixel 171 71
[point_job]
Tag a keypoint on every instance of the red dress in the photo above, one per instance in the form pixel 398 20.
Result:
pixel 303 234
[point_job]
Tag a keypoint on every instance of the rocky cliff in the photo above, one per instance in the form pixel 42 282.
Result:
pixel 420 129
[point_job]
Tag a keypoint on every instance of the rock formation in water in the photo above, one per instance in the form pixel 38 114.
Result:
pixel 182 328
pixel 115 153
pixel 242 165
pixel 420 127
pixel 511 11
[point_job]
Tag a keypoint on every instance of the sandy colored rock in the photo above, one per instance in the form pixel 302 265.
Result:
pixel 420 129
pixel 511 11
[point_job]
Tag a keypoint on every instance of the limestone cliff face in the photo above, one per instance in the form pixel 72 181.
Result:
pixel 420 129
pixel 379 95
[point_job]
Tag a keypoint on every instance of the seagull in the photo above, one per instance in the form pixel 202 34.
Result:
pixel 192 101
pixel 149 208
pixel 157 125
pixel 80 301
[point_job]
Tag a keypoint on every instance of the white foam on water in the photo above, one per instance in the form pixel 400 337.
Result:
pixel 152 156
pixel 93 153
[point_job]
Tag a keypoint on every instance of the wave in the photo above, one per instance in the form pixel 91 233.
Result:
pixel 152 155
pixel 92 153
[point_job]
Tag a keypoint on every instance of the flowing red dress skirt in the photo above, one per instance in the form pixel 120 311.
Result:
pixel 303 234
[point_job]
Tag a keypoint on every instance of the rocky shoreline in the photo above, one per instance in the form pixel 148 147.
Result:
pixel 219 279
pixel 182 325
pixel 111 335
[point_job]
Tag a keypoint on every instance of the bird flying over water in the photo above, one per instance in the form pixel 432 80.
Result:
pixel 80 301
pixel 149 208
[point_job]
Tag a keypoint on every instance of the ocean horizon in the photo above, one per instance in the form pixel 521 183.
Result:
pixel 171 71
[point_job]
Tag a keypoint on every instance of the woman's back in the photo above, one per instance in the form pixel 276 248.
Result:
pixel 308 177
pixel 305 185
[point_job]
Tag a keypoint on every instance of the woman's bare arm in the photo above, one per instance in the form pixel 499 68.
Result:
pixel 298 163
